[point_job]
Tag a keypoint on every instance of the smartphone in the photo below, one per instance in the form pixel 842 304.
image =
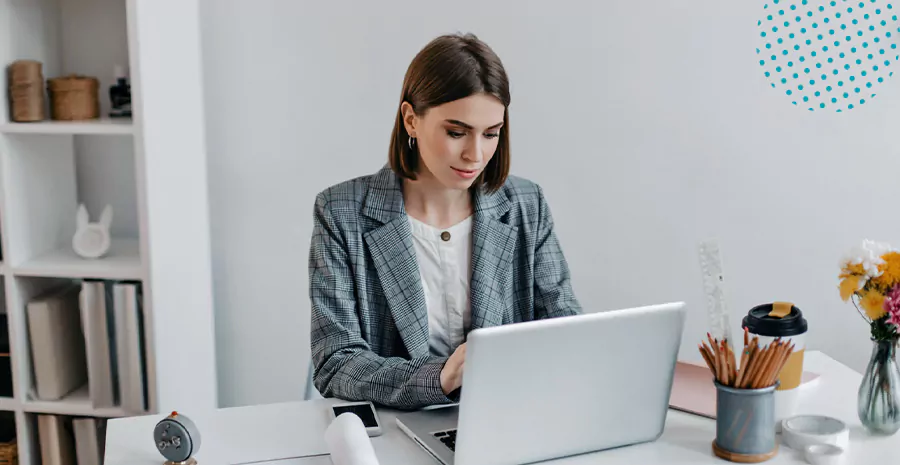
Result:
pixel 364 410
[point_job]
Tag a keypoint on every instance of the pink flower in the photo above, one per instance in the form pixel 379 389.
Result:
pixel 892 306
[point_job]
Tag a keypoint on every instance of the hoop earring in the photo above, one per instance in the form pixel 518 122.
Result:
pixel 412 141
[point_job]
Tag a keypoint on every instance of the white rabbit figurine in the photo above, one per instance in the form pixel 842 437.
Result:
pixel 91 240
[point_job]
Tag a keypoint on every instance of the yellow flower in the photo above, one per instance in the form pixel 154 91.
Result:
pixel 890 271
pixel 852 270
pixel 873 303
pixel 849 285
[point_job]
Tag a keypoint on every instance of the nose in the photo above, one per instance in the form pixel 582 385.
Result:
pixel 473 152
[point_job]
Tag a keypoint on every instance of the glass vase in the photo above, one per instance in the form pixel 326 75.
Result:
pixel 879 392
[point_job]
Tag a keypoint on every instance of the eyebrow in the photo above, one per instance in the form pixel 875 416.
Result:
pixel 468 126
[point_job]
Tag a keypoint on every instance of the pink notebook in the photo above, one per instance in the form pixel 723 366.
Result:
pixel 693 390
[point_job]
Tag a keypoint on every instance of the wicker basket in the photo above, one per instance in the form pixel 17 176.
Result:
pixel 9 453
pixel 26 91
pixel 74 97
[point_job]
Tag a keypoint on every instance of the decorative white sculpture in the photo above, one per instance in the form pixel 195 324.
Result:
pixel 92 240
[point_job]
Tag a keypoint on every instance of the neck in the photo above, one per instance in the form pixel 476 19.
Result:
pixel 434 204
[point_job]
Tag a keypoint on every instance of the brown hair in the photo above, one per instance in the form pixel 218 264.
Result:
pixel 448 68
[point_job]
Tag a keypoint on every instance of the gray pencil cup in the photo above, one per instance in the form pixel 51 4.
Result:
pixel 745 424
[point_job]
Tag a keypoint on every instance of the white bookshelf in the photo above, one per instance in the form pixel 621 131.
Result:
pixel 103 126
pixel 150 168
pixel 122 262
pixel 9 404
pixel 76 404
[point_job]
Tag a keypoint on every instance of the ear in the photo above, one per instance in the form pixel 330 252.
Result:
pixel 106 217
pixel 410 120
pixel 81 217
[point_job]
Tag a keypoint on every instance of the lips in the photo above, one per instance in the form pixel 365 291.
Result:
pixel 468 174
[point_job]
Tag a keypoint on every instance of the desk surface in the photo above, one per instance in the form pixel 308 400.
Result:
pixel 296 431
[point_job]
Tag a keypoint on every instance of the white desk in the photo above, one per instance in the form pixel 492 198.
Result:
pixel 298 427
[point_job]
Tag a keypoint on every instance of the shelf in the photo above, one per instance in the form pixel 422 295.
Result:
pixel 8 404
pixel 78 403
pixel 103 126
pixel 121 262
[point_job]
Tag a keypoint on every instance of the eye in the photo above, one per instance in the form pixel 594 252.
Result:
pixel 455 134
pixel 492 135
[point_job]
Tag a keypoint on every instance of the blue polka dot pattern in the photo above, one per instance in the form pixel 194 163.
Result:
pixel 852 44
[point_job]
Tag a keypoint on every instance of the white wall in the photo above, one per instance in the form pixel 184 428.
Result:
pixel 650 125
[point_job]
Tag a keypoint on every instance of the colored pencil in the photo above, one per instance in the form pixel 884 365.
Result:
pixel 759 365
pixel 764 365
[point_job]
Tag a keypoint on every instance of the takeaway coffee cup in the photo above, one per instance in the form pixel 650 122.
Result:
pixel 784 320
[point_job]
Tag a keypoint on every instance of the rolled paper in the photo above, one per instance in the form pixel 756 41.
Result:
pixel 348 443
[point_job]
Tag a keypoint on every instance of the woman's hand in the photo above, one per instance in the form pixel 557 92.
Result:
pixel 451 374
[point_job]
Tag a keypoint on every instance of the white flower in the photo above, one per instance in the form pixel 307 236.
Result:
pixel 869 255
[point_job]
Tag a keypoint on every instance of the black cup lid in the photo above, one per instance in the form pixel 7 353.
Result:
pixel 759 322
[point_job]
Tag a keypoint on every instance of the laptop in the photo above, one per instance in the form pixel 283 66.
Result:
pixel 553 388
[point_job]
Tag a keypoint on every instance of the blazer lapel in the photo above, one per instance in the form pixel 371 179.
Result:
pixel 395 261
pixel 493 244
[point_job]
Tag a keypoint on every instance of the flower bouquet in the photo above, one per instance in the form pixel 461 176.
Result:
pixel 870 278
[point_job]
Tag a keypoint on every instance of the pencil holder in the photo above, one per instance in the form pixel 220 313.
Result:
pixel 745 424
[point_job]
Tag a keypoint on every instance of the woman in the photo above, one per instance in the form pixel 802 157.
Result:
pixel 405 262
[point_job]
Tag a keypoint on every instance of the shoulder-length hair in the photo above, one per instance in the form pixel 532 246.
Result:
pixel 449 68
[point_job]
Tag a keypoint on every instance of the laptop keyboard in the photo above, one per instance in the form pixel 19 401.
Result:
pixel 448 438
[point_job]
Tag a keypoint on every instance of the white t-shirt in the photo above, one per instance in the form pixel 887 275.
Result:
pixel 444 257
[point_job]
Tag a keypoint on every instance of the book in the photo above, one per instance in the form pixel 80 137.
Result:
pixel 90 434
pixel 99 333
pixel 57 441
pixel 127 298
pixel 693 390
pixel 57 343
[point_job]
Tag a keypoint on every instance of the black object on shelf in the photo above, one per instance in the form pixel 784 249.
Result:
pixel 4 334
pixel 6 387
pixel 7 427
pixel 120 95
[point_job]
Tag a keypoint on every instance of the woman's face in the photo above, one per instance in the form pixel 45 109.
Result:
pixel 456 140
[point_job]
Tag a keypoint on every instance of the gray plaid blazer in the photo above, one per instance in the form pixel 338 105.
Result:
pixel 369 322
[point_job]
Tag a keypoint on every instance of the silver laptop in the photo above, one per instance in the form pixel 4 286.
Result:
pixel 558 387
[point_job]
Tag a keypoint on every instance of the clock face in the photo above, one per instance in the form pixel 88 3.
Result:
pixel 90 240
pixel 173 440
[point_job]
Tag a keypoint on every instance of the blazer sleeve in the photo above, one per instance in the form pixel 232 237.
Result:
pixel 345 365
pixel 553 294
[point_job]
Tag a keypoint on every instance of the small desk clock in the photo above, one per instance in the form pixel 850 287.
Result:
pixel 91 240
pixel 177 439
